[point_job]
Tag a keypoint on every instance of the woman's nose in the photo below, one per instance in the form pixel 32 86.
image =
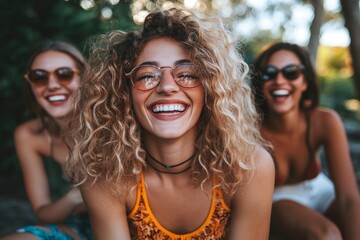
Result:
pixel 280 78
pixel 167 83
pixel 53 82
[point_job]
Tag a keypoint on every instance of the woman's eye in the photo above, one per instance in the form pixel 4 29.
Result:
pixel 186 76
pixel 147 77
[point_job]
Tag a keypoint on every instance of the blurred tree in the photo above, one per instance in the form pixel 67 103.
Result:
pixel 315 27
pixel 351 13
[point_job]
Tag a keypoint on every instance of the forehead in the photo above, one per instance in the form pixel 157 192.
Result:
pixel 51 60
pixel 164 51
pixel 282 58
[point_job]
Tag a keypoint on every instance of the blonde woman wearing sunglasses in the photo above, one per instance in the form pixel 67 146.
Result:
pixel 307 203
pixel 52 77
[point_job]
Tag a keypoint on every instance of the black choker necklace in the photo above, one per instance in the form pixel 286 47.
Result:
pixel 158 170
pixel 168 166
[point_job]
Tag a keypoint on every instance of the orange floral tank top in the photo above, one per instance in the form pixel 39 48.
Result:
pixel 143 224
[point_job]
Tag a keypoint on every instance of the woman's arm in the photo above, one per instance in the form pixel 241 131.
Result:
pixel 342 173
pixel 251 205
pixel 28 147
pixel 107 213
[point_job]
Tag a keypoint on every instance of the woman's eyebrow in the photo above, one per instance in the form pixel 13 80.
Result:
pixel 149 63
pixel 182 61
pixel 155 63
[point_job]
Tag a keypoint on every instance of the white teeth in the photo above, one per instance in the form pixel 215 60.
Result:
pixel 57 98
pixel 281 92
pixel 168 108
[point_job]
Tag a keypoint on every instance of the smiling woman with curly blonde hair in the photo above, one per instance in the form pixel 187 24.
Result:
pixel 167 143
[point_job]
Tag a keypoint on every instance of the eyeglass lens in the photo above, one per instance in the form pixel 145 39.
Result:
pixel 41 77
pixel 147 77
pixel 290 72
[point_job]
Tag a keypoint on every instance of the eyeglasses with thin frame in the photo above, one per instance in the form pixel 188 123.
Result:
pixel 147 77
pixel 40 77
pixel 290 72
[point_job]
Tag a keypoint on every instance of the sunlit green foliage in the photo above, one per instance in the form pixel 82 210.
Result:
pixel 336 85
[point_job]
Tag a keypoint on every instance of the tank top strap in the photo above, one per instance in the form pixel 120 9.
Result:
pixel 139 194
pixel 52 148
pixel 218 194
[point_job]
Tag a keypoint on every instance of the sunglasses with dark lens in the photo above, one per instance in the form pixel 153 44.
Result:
pixel 290 72
pixel 147 77
pixel 41 77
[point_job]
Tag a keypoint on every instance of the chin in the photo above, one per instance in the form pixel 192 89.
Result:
pixel 168 134
pixel 59 114
pixel 281 110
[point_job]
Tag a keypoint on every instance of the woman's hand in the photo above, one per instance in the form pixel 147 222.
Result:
pixel 75 197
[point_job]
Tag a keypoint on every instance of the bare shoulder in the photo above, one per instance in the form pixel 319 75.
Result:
pixel 256 194
pixel 325 117
pixel 264 173
pixel 101 191
pixel 28 136
pixel 27 130
pixel 326 121
pixel 106 210
pixel 264 163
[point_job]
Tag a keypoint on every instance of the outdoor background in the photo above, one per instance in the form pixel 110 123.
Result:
pixel 334 42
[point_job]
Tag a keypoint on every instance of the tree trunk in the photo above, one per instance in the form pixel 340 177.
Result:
pixel 351 14
pixel 315 28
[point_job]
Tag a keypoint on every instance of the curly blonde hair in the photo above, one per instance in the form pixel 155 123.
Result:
pixel 108 139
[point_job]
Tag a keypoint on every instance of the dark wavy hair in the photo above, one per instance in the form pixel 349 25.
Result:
pixel 310 97
pixel 48 122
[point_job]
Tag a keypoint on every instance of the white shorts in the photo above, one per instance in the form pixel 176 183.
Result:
pixel 317 193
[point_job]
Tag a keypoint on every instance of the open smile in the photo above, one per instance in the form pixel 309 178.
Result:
pixel 168 108
pixel 280 93
pixel 168 111
pixel 57 98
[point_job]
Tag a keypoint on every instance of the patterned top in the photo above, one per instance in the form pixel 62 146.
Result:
pixel 143 224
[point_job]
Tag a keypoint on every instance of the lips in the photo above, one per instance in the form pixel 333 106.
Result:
pixel 168 108
pixel 57 98
pixel 280 93
pixel 168 111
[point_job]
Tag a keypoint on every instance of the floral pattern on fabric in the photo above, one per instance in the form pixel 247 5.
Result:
pixel 142 225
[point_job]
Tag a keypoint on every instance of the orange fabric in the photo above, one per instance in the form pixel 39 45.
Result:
pixel 143 224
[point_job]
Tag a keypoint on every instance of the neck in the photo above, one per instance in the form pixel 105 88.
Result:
pixel 63 122
pixel 169 168
pixel 170 155
pixel 170 158
pixel 284 122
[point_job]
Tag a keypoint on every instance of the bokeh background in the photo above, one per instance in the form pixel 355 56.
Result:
pixel 329 28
